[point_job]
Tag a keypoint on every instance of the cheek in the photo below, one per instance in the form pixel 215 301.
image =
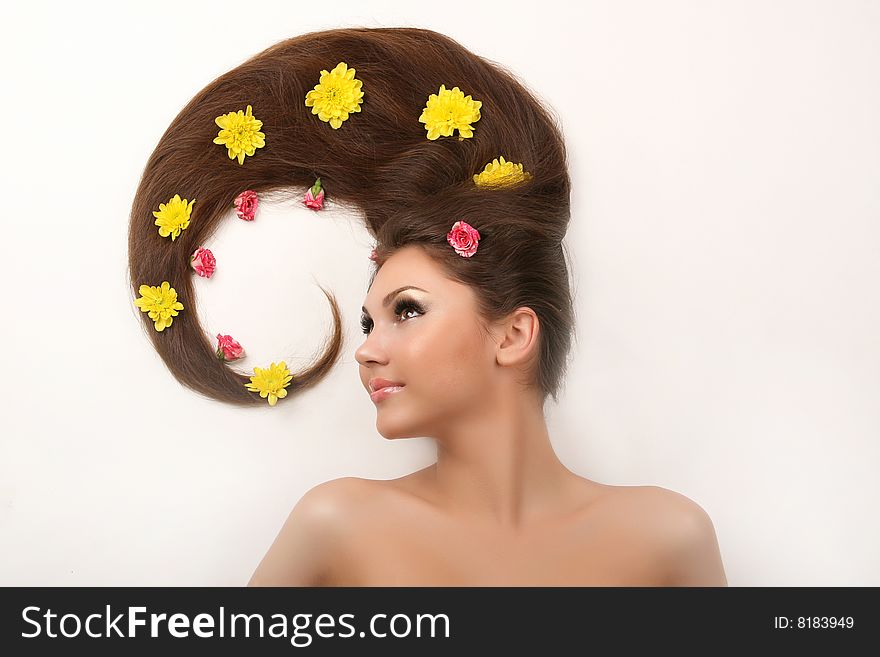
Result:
pixel 450 362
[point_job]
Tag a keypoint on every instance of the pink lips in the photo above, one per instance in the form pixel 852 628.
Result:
pixel 384 393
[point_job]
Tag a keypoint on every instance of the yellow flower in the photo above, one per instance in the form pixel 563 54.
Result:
pixel 160 302
pixel 173 216
pixel 501 174
pixel 448 110
pixel 336 94
pixel 271 381
pixel 240 133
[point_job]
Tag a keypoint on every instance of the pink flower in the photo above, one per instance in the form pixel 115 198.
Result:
pixel 246 205
pixel 315 196
pixel 314 202
pixel 464 238
pixel 228 349
pixel 203 262
pixel 374 256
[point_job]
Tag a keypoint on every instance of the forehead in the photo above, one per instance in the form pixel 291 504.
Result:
pixel 408 266
pixel 412 266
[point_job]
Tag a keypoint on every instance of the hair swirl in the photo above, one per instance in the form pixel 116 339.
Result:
pixel 410 190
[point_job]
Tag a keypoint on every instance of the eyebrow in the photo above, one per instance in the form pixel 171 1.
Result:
pixel 394 293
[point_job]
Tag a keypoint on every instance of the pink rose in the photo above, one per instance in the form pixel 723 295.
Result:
pixel 464 238
pixel 246 205
pixel 374 256
pixel 228 349
pixel 315 196
pixel 203 262
pixel 314 202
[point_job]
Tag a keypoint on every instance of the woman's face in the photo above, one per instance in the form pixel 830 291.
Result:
pixel 427 339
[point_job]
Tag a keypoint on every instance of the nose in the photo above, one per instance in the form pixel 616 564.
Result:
pixel 371 351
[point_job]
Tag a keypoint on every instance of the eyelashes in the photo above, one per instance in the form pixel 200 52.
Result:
pixel 402 304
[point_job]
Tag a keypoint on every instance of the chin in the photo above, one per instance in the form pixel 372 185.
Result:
pixel 392 429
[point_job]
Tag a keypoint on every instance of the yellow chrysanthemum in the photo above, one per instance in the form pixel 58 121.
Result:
pixel 173 216
pixel 450 109
pixel 271 381
pixel 336 95
pixel 240 133
pixel 160 302
pixel 500 173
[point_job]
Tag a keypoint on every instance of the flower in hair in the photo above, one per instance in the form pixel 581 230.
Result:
pixel 246 204
pixel 228 349
pixel 271 382
pixel 448 110
pixel 464 238
pixel 173 216
pixel 203 262
pixel 160 302
pixel 501 174
pixel 337 94
pixel 374 256
pixel 314 198
pixel 240 133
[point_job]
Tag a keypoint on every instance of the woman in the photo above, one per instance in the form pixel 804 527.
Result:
pixel 468 319
pixel 498 508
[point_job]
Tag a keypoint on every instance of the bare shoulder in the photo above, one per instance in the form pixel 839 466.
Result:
pixel 349 499
pixel 324 506
pixel 673 510
pixel 332 499
pixel 302 552
pixel 679 530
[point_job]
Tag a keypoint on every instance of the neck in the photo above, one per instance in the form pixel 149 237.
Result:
pixel 498 462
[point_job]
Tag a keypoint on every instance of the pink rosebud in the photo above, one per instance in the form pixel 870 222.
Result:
pixel 203 262
pixel 315 196
pixel 246 205
pixel 314 202
pixel 374 256
pixel 464 238
pixel 228 349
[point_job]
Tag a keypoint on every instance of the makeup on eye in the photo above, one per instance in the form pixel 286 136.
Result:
pixel 404 303
pixel 388 297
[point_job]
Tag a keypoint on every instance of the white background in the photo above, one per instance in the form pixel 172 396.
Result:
pixel 726 223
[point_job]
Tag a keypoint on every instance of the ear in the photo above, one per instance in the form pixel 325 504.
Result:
pixel 517 337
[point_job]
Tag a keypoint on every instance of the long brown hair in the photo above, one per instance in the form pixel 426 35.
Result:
pixel 409 189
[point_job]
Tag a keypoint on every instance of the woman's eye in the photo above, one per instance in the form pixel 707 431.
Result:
pixel 403 306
